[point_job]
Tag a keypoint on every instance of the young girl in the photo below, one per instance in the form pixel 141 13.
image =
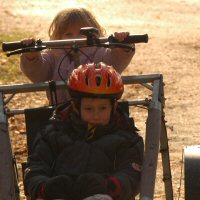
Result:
pixel 44 66
pixel 92 149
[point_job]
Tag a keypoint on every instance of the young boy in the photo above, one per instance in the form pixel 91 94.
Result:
pixel 92 149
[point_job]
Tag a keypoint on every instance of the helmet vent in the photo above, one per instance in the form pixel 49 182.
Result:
pixel 87 80
pixel 109 81
pixel 98 80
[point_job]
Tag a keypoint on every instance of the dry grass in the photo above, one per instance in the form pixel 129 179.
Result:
pixel 173 50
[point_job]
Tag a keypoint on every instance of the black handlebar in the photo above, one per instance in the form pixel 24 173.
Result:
pixel 130 39
pixel 11 46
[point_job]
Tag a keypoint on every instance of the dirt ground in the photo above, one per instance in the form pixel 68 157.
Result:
pixel 173 50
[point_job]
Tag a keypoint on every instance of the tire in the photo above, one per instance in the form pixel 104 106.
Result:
pixel 192 172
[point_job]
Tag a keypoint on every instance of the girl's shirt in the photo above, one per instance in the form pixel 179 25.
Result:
pixel 46 65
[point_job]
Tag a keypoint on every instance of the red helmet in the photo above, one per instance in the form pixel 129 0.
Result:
pixel 95 80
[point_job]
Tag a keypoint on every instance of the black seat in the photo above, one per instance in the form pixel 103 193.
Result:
pixel 36 119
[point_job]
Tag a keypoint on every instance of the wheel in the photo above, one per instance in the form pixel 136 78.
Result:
pixel 192 172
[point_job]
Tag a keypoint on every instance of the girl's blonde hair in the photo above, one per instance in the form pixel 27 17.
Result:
pixel 69 16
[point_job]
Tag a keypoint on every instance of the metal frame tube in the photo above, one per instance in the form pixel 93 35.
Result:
pixel 154 127
pixel 164 149
pixel 7 179
pixel 23 88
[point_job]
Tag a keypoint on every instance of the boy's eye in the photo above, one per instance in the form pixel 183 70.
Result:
pixel 87 108
pixel 103 108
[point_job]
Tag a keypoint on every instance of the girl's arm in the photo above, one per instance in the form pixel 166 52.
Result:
pixel 37 66
pixel 38 69
pixel 119 58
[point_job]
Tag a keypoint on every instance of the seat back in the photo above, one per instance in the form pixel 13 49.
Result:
pixel 36 119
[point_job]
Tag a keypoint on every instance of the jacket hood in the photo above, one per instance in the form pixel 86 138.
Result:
pixel 66 115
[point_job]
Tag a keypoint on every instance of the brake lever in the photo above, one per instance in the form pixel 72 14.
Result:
pixel 117 45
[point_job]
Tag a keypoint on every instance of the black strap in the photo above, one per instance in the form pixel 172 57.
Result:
pixel 53 93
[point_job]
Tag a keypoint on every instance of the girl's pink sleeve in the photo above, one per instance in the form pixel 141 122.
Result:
pixel 118 58
pixel 39 69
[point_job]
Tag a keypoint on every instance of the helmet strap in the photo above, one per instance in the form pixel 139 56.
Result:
pixel 114 104
pixel 76 106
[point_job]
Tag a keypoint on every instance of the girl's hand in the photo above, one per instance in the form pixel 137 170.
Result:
pixel 29 55
pixel 121 35
pixel 28 41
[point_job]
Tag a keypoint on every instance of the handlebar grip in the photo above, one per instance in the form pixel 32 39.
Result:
pixel 131 39
pixel 11 46
pixel 137 39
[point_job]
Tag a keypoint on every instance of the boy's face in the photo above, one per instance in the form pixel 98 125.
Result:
pixel 96 111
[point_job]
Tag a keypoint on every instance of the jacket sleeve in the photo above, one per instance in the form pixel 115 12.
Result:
pixel 39 69
pixel 38 168
pixel 118 58
pixel 127 173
